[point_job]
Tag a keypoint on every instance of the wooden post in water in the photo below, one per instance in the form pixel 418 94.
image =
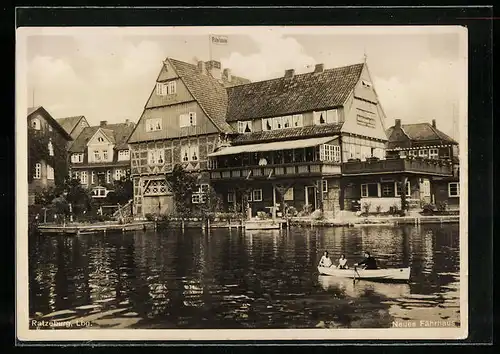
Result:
pixel 44 215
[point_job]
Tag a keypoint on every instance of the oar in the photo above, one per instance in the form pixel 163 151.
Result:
pixel 355 272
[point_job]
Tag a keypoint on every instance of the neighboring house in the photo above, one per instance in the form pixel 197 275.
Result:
pixel 100 154
pixel 182 122
pixel 73 125
pixel 425 141
pixel 47 143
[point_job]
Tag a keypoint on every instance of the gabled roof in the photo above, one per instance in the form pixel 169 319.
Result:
pixel 301 93
pixel 118 134
pixel 287 134
pixel 421 132
pixel 210 94
pixel 69 123
pixel 50 120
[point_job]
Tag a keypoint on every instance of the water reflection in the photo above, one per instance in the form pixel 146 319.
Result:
pixel 229 279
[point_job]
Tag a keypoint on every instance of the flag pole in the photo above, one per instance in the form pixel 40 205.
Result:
pixel 210 47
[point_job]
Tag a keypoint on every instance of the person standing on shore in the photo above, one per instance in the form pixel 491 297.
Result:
pixel 325 260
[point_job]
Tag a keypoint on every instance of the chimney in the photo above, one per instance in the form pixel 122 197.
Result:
pixel 227 74
pixel 103 123
pixel 127 121
pixel 201 67
pixel 434 123
pixel 289 73
pixel 214 68
pixel 319 68
pixel 397 123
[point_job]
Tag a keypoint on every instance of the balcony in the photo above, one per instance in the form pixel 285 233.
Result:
pixel 307 169
pixel 398 165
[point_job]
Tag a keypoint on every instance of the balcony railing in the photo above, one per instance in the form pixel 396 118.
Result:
pixel 282 170
pixel 425 166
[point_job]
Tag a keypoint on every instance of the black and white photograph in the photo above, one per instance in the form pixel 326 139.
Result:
pixel 281 182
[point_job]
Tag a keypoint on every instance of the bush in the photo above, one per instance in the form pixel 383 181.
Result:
pixel 262 215
pixel 366 207
pixel 307 209
pixel 428 209
pixel 442 206
pixel 378 208
pixel 317 215
pixel 394 210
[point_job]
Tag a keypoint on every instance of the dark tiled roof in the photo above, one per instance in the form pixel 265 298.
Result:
pixel 69 123
pixel 210 94
pixel 235 81
pixel 422 132
pixel 118 132
pixel 281 96
pixel 50 120
pixel 286 134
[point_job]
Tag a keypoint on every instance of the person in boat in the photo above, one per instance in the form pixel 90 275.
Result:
pixel 325 260
pixel 368 263
pixel 342 262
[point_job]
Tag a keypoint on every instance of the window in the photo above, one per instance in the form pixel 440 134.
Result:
pixel 332 116
pixel 230 196
pixel 156 157
pixel 161 89
pixel 402 153
pixel 433 153
pixel 267 124
pixel 119 173
pixel 123 155
pixel 38 171
pixel 35 124
pixel 83 124
pixel 319 118
pixel 172 89
pixel 100 139
pixel 105 155
pixel 245 126
pixel 288 194
pixel 297 120
pixel 108 176
pixel 50 172
pixel 422 153
pixel 412 152
pixel 426 188
pixel 199 196
pixel 92 177
pixel 287 121
pixel 366 84
pixel 397 188
pixel 187 120
pixel 453 189
pixel 50 147
pixel 324 186
pixel 257 195
pixel 97 155
pixel 195 198
pixel 153 124
pixel 249 196
pixel 329 152
pixel 387 189
pixel 277 123
pixel 369 190
pixel 83 177
pixel 189 153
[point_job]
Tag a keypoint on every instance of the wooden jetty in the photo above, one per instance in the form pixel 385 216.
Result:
pixel 77 229
pixel 264 224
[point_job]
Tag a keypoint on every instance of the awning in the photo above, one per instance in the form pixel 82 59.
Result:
pixel 278 145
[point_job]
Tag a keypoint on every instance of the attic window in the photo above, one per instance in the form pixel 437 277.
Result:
pixel 166 88
pixel 330 116
pixel 153 124
pixel 100 139
pixel 366 83
pixel 35 123
pixel 245 127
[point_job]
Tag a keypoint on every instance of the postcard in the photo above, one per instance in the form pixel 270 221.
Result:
pixel 241 183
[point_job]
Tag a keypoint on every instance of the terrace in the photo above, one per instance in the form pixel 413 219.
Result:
pixel 398 165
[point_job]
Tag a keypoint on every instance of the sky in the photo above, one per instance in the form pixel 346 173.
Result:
pixel 108 74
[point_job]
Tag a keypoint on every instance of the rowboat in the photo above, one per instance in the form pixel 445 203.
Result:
pixel 387 274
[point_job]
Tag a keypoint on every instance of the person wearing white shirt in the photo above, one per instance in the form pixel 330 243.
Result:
pixel 325 260
pixel 342 262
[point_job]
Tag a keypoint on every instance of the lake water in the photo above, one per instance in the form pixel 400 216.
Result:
pixel 232 279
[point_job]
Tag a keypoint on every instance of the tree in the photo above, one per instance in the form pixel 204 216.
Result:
pixel 80 198
pixel 183 184
pixel 212 203
pixel 123 191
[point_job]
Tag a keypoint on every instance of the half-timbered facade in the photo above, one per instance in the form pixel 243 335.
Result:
pixel 100 154
pixel 182 122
